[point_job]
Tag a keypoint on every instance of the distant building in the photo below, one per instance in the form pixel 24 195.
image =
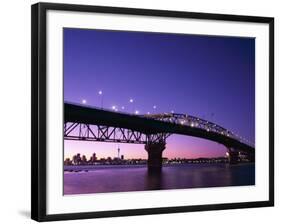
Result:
pixel 165 160
pixel 67 162
pixel 118 150
pixel 76 159
pixel 122 157
pixel 93 158
pixel 84 160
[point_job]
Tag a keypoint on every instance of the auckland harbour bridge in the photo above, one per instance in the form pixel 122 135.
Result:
pixel 85 123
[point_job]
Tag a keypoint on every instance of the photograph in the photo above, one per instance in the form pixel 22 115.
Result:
pixel 141 111
pixel 152 111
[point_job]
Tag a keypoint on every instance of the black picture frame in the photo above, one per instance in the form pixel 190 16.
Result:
pixel 38 108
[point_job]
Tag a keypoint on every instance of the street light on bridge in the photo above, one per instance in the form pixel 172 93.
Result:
pixel 84 101
pixel 154 108
pixel 101 95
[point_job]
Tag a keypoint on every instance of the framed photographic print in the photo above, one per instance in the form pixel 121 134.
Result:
pixel 138 111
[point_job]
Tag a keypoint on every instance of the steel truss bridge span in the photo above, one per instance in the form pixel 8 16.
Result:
pixel 94 124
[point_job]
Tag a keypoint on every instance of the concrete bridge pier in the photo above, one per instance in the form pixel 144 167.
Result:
pixel 233 155
pixel 154 150
pixel 251 156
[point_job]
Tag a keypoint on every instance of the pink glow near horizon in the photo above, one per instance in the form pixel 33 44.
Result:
pixel 177 146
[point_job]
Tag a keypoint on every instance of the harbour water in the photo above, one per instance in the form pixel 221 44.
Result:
pixel 123 178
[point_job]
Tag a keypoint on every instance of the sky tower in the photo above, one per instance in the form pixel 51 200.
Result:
pixel 118 150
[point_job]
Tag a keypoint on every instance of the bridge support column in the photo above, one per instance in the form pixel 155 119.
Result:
pixel 154 150
pixel 233 156
pixel 251 156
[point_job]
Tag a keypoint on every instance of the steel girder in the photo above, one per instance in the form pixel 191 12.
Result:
pixel 87 132
pixel 192 121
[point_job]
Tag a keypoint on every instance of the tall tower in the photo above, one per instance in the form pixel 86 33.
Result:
pixel 118 149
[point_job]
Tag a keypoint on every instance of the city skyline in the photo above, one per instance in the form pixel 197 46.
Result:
pixel 78 160
pixel 210 77
pixel 123 157
pixel 107 149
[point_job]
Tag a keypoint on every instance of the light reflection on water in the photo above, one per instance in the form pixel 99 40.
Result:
pixel 102 179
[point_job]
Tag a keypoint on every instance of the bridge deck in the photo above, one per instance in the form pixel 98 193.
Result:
pixel 94 116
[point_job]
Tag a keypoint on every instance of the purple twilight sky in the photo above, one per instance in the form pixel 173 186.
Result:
pixel 212 77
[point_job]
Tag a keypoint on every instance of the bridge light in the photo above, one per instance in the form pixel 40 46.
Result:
pixel 148 112
pixel 154 107
pixel 136 112
pixel 84 101
pixel 208 129
pixel 172 111
pixel 131 100
pixel 101 100
pixel 113 107
pixel 192 125
pixel 122 107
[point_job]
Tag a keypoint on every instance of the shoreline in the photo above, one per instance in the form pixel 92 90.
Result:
pixel 89 168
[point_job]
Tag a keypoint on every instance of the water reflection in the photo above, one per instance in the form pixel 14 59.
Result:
pixel 102 179
pixel 154 179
